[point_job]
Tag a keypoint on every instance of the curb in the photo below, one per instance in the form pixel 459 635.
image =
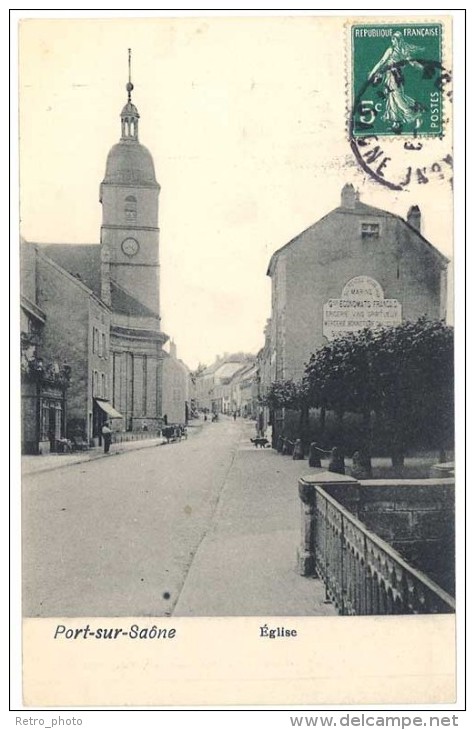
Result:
pixel 92 457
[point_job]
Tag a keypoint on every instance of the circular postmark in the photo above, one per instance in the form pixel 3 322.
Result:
pixel 401 140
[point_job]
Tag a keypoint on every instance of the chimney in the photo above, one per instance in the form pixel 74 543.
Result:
pixel 349 196
pixel 414 217
pixel 172 349
pixel 105 276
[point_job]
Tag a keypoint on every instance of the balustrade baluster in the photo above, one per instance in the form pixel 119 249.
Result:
pixel 362 574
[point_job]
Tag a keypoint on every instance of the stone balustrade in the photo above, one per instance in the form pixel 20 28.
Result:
pixel 363 574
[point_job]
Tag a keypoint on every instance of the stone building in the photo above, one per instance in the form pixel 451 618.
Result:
pixel 244 391
pixel 176 398
pixel 217 385
pixel 65 330
pixel 358 266
pixel 120 275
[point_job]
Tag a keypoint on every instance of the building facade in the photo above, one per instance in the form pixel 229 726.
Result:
pixel 177 389
pixel 73 337
pixel 358 266
pixel 244 391
pixel 218 387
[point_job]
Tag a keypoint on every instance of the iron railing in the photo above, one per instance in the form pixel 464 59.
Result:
pixel 120 437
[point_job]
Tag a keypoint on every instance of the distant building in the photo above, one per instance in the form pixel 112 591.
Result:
pixel 176 399
pixel 358 266
pixel 244 391
pixel 216 386
pixel 105 299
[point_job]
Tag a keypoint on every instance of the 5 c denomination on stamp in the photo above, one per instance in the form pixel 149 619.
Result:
pixel 397 80
pixel 400 108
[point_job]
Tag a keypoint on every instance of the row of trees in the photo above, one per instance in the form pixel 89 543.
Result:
pixel 403 376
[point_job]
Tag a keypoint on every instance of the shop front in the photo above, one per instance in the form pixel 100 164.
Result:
pixel 43 416
pixel 104 411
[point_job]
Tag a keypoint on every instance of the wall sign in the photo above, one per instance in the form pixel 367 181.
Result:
pixel 362 304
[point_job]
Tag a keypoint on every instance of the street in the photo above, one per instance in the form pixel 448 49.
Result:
pixel 197 527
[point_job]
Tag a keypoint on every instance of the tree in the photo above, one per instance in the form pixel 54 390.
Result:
pixel 412 373
pixel 284 394
pixel 402 373
pixel 194 374
pixel 338 378
pixel 292 395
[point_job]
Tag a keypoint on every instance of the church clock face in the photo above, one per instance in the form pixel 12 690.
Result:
pixel 130 246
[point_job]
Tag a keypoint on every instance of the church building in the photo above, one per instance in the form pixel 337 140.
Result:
pixel 123 273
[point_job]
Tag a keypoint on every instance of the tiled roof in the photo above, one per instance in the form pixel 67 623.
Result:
pixel 124 303
pixel 358 209
pixel 228 369
pixel 82 260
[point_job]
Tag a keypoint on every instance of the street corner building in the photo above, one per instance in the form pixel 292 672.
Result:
pixel 357 267
pixel 94 309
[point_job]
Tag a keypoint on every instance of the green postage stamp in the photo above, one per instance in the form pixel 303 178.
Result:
pixel 397 80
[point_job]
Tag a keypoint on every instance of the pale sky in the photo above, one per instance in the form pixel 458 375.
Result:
pixel 245 119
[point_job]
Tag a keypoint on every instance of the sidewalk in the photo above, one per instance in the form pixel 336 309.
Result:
pixel 48 462
pixel 246 564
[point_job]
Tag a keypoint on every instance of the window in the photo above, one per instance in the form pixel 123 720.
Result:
pixel 103 385
pixel 96 341
pixel 370 230
pixel 95 384
pixel 104 346
pixel 130 208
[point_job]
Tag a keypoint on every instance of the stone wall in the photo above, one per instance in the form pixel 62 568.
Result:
pixel 330 253
pixel 416 517
pixel 29 417
pixel 65 337
pixel 137 274
pixel 174 390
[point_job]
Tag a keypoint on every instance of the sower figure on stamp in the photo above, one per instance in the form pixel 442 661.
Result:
pixel 106 436
pixel 400 108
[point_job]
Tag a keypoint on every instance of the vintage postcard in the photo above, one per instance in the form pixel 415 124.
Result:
pixel 237 380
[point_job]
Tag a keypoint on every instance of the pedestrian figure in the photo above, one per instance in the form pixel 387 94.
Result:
pixel 337 461
pixel 234 415
pixel 107 437
pixel 298 452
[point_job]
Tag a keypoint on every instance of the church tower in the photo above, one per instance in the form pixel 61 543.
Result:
pixel 130 275
pixel 129 197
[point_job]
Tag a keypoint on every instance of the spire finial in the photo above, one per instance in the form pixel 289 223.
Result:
pixel 129 85
pixel 129 115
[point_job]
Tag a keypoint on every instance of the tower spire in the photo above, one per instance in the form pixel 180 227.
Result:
pixel 129 115
pixel 130 85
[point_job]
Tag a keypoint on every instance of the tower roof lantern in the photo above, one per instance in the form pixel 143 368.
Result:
pixel 129 162
pixel 129 115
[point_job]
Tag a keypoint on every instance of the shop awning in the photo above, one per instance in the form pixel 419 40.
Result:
pixel 108 408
